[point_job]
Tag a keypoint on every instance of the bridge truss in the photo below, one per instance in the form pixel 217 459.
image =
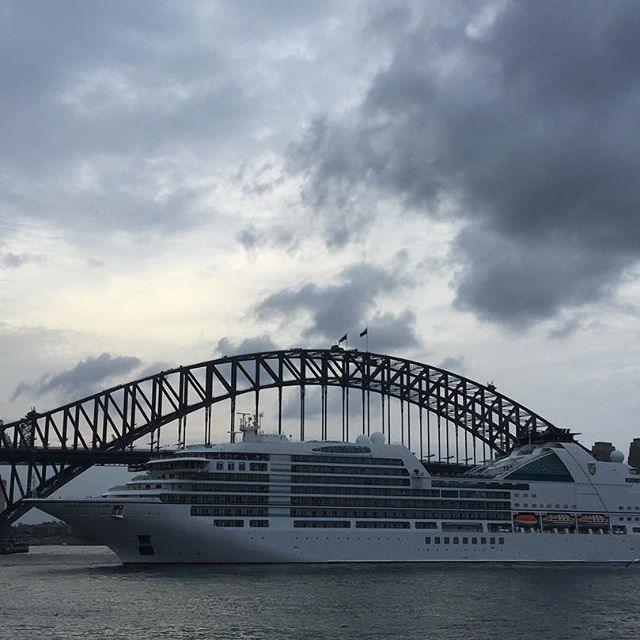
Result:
pixel 441 416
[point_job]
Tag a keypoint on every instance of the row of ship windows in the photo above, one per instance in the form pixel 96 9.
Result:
pixel 413 493
pixel 372 471
pixel 534 505
pixel 311 512
pixel 390 462
pixel 169 465
pixel 496 495
pixel 240 523
pixel 178 498
pixel 206 485
pixel 242 466
pixel 343 448
pixel 211 455
pixel 564 506
pixel 310 508
pixel 211 498
pixel 363 524
pixel 374 481
pixel 503 527
pixel 212 511
pixel 345 524
pixel 231 499
pixel 335 501
pixel 400 482
pixel 364 491
pixel 320 524
pixel 415 501
pixel 412 515
pixel 246 477
pixel 383 524
pixel 297 479
pixel 263 499
pixel 463 540
pixel 220 488
pixel 359 512
pixel 471 484
pixel 402 503
pixel 333 524
pixel 323 459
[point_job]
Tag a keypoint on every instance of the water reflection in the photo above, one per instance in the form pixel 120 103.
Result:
pixel 85 593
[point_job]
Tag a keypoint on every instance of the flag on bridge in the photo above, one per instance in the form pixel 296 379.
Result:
pixel 344 337
pixel 365 332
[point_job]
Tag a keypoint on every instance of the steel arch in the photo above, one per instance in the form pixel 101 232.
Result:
pixel 57 445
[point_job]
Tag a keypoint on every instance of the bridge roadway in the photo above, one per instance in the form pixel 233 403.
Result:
pixel 60 455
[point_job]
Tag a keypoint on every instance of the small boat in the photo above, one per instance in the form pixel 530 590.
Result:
pixel 526 519
pixel 593 519
pixel 558 519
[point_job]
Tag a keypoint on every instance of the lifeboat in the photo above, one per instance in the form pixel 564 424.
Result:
pixel 593 519
pixel 526 519
pixel 558 519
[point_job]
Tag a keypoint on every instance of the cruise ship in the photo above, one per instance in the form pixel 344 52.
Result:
pixel 267 499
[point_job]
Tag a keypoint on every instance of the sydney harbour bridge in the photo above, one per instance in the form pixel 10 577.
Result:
pixel 327 394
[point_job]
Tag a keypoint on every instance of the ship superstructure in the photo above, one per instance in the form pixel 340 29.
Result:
pixel 268 499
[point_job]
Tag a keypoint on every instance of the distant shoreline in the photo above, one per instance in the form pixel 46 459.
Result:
pixel 47 533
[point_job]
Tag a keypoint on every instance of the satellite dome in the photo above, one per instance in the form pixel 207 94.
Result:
pixel 377 437
pixel 363 441
pixel 616 456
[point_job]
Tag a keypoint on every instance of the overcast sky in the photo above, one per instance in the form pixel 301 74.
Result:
pixel 180 180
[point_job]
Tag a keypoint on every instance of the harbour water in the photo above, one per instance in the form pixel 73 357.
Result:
pixel 83 592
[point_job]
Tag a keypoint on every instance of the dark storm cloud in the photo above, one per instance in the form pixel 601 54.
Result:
pixel 505 280
pixel 88 112
pixel 331 157
pixel 82 379
pixel 391 332
pixel 347 305
pixel 523 130
pixel 228 347
pixel 122 116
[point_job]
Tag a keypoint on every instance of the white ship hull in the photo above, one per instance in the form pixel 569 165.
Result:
pixel 178 538
pixel 269 500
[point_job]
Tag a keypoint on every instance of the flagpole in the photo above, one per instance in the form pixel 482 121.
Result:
pixel 365 334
